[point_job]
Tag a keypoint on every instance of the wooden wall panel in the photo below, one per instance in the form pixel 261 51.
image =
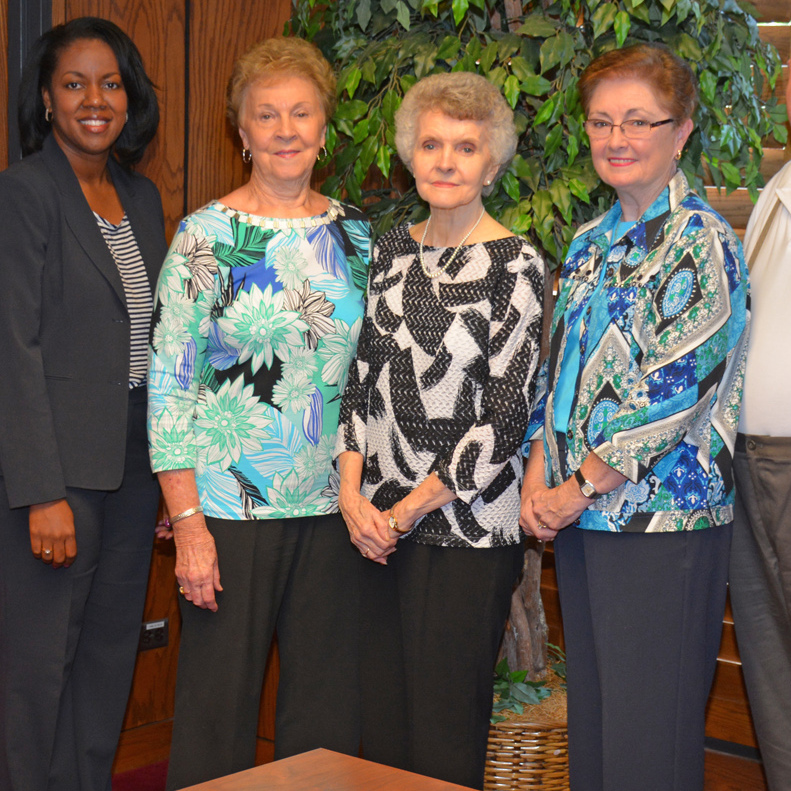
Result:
pixel 219 33
pixel 780 36
pixel 772 10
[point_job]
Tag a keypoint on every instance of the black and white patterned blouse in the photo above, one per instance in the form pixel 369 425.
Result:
pixel 443 382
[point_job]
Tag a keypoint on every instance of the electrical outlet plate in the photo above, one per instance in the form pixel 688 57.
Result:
pixel 153 634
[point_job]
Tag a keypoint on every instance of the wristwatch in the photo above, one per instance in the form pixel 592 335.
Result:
pixel 586 487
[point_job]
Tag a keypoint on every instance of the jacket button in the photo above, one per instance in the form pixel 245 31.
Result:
pixel 570 434
pixel 751 444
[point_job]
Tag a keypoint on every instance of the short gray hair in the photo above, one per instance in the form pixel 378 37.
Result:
pixel 466 97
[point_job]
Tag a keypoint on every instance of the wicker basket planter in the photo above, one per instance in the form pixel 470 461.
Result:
pixel 522 756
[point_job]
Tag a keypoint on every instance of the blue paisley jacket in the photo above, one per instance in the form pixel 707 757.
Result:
pixel 662 364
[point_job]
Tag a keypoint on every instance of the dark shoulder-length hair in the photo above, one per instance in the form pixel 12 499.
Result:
pixel 41 63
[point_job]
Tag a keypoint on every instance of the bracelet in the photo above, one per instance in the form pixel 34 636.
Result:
pixel 393 522
pixel 198 509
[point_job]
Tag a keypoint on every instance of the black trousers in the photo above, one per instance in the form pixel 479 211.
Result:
pixel 642 620
pixel 68 636
pixel 432 621
pixel 298 576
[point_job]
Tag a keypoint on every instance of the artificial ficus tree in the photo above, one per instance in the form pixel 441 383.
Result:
pixel 535 51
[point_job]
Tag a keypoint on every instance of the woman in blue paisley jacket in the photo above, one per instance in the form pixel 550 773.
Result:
pixel 259 305
pixel 631 445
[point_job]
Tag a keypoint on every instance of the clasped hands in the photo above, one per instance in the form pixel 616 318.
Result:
pixel 546 511
pixel 369 528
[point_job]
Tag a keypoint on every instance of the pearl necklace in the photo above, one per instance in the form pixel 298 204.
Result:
pixel 436 274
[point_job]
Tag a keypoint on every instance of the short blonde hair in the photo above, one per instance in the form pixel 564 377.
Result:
pixel 293 57
pixel 466 97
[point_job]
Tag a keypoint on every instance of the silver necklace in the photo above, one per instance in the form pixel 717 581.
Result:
pixel 436 274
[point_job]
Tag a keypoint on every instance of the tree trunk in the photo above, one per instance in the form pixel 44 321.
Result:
pixel 525 639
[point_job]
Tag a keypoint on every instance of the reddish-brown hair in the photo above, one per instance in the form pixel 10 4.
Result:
pixel 654 64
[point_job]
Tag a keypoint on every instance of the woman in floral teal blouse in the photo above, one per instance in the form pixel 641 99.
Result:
pixel 631 444
pixel 259 306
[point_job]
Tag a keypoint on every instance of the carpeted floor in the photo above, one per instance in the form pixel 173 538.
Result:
pixel 147 778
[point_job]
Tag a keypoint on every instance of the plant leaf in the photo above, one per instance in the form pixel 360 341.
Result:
pixel 402 14
pixel 459 10
pixel 363 13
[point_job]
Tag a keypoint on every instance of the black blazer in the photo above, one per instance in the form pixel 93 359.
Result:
pixel 64 327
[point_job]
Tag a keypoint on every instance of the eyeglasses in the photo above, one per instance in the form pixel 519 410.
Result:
pixel 635 129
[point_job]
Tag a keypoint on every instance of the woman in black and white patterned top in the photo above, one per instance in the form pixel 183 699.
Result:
pixel 428 444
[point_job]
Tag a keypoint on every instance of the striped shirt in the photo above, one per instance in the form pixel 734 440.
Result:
pixel 139 300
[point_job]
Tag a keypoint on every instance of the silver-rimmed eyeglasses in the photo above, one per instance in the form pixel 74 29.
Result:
pixel 634 129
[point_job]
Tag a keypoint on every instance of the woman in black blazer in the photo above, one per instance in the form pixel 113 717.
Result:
pixel 81 241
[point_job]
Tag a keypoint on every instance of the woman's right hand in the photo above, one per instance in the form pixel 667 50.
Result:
pixel 197 569
pixel 368 527
pixel 52 537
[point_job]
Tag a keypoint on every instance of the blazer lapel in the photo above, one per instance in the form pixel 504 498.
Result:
pixel 79 216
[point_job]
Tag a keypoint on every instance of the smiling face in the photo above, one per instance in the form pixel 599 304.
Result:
pixel 451 161
pixel 87 100
pixel 638 170
pixel 282 123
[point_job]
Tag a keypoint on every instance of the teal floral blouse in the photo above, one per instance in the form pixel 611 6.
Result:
pixel 255 324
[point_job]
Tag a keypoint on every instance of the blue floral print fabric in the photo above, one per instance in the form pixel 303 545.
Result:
pixel 255 325
pixel 661 368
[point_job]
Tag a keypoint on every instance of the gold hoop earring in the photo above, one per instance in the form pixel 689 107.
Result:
pixel 48 115
pixel 323 154
pixel 247 157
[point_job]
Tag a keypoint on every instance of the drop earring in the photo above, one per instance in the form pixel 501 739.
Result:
pixel 247 157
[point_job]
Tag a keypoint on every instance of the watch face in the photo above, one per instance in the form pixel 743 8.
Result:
pixel 588 490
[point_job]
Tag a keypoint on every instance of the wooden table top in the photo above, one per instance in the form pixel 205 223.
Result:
pixel 324 770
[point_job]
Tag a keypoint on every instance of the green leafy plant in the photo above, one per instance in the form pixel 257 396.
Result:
pixel 557 660
pixel 534 52
pixel 513 690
